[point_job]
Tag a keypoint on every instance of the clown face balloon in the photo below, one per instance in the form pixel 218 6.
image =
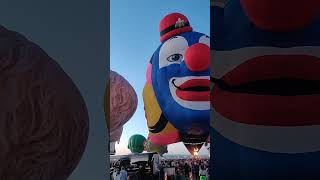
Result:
pixel 267 90
pixel 179 73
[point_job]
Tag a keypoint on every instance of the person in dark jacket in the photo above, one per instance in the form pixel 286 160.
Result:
pixel 186 170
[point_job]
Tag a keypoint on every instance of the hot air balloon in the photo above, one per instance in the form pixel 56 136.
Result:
pixel 123 103
pixel 136 143
pixel 266 89
pixel 44 120
pixel 177 92
pixel 150 147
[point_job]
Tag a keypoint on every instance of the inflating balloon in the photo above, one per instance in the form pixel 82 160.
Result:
pixel 266 89
pixel 136 143
pixel 177 92
pixel 150 147
pixel 44 120
pixel 123 103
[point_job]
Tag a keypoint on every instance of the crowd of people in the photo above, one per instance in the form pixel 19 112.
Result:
pixel 124 174
pixel 177 169
pixel 189 169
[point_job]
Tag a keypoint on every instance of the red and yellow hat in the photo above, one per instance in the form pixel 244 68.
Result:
pixel 173 24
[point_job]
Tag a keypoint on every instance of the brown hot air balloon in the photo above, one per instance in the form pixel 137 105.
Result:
pixel 123 103
pixel 43 118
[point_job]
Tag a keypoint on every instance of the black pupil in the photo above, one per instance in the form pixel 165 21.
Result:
pixel 175 57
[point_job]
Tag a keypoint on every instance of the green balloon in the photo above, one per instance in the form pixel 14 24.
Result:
pixel 135 143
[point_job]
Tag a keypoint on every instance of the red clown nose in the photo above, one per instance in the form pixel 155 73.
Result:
pixel 197 57
pixel 281 15
pixel 173 24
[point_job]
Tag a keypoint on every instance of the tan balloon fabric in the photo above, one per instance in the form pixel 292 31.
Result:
pixel 43 118
pixel 115 135
pixel 123 103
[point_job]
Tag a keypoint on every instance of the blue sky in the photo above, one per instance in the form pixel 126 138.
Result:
pixel 134 37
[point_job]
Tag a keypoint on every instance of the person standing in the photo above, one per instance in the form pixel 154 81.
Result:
pixel 123 174
pixel 155 166
pixel 187 170
pixel 142 173
pixel 116 174
pixel 195 171
pixel 203 173
pixel 208 172
pixel 161 168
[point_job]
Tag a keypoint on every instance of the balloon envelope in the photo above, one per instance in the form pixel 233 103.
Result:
pixel 123 103
pixel 150 147
pixel 136 143
pixel 116 134
pixel 177 92
pixel 161 131
pixel 44 122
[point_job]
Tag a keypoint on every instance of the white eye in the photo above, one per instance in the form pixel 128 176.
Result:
pixel 175 58
pixel 172 51
pixel 205 40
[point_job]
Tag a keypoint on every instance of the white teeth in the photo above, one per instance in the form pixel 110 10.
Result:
pixel 194 105
pixel 228 60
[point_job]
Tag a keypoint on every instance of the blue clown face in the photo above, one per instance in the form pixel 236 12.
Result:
pixel 181 81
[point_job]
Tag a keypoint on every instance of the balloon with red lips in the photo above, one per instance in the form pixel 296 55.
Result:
pixel 177 92
pixel 266 89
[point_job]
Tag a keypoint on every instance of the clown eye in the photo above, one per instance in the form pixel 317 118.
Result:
pixel 172 51
pixel 175 58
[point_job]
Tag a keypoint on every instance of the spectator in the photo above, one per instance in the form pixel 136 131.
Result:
pixel 123 174
pixel 141 174
pixel 186 170
pixel 203 173
pixel 161 168
pixel 172 164
pixel 195 171
pixel 208 172
pixel 116 174
pixel 155 166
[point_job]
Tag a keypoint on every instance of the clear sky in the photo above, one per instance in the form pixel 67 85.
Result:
pixel 134 36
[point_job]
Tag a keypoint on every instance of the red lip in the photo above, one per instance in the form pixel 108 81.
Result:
pixel 270 110
pixel 194 90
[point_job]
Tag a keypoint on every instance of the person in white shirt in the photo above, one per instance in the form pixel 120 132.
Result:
pixel 123 174
pixel 202 173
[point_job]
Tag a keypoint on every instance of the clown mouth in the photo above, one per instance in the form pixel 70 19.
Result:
pixel 197 88
pixel 192 92
pixel 281 87
pixel 271 90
